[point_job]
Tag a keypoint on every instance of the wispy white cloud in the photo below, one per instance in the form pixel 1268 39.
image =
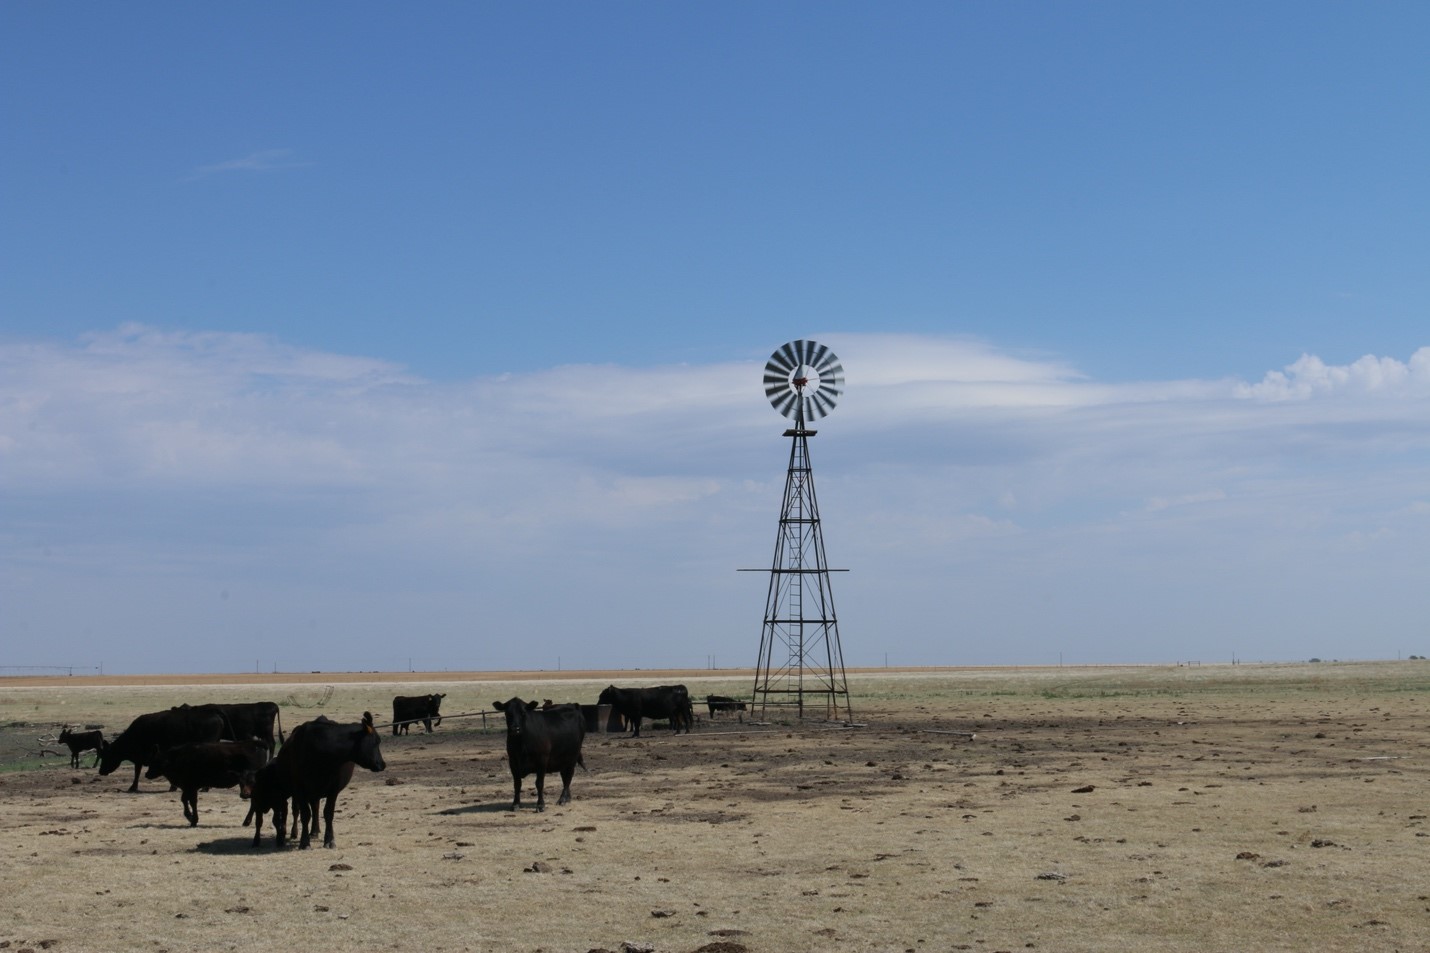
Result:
pixel 957 480
pixel 264 160
pixel 1187 499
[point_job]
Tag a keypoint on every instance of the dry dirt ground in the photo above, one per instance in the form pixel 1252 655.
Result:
pixel 1209 809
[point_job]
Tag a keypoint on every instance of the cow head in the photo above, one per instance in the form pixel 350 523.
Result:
pixel 368 753
pixel 608 696
pixel 110 757
pixel 263 786
pixel 515 710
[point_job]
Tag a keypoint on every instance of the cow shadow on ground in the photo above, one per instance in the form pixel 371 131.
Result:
pixel 228 846
pixel 494 807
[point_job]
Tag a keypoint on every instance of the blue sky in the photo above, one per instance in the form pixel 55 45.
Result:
pixel 342 335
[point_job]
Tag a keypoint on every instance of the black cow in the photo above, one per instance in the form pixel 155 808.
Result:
pixel 78 741
pixel 539 741
pixel 267 790
pixel 207 764
pixel 723 703
pixel 158 731
pixel 247 721
pixel 318 762
pixel 663 701
pixel 407 709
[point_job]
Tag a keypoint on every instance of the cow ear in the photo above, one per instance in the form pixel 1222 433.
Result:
pixel 532 705
pixel 367 722
pixel 499 706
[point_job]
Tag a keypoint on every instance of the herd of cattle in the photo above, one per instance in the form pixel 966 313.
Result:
pixel 198 747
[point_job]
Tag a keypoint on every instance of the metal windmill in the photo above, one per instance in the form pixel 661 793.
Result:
pixel 801 664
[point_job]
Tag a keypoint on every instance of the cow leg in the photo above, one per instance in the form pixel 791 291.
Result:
pixel 280 823
pixel 515 790
pixel 540 789
pixel 134 788
pixel 566 785
pixel 305 814
pixel 190 797
pixel 258 825
pixel 328 807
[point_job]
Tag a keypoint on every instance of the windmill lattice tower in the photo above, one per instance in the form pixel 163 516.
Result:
pixel 801 663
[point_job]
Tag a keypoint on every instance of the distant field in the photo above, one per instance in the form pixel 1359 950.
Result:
pixel 1249 807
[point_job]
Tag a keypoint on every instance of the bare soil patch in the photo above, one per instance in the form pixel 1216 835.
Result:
pixel 1257 808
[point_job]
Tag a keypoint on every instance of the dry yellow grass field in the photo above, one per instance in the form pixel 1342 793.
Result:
pixel 1161 808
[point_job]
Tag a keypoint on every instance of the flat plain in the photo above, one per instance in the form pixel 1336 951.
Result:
pixel 1176 808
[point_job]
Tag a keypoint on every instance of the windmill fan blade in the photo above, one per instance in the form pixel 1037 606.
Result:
pixel 775 378
pixel 817 355
pixel 784 359
pixel 823 403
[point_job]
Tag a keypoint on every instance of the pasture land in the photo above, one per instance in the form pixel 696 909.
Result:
pixel 1212 808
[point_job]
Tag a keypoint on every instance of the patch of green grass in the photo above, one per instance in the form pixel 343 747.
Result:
pixel 30 763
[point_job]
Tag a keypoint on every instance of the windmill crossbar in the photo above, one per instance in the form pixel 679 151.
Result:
pixel 811 571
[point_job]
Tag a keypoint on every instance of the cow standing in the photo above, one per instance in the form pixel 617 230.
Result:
pixel 78 741
pixel 150 734
pixel 671 702
pixel 246 721
pixel 318 762
pixel 209 764
pixel 407 709
pixel 540 741
pixel 724 703
pixel 267 789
